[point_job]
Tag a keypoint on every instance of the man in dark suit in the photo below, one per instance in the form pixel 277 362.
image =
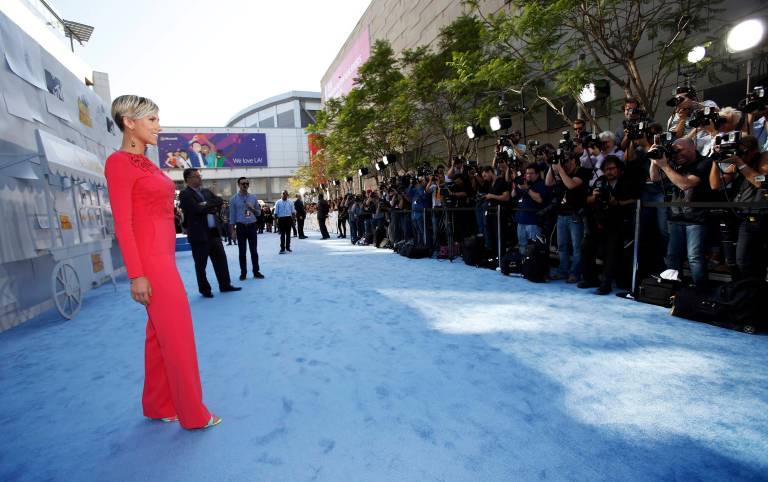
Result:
pixel 200 207
pixel 301 215
pixel 323 209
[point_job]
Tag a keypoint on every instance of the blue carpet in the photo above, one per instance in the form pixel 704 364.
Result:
pixel 351 363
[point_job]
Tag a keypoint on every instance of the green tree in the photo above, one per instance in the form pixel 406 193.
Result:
pixel 560 46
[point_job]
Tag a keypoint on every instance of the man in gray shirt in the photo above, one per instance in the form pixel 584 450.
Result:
pixel 244 209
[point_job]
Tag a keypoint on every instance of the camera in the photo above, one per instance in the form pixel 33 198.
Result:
pixel 558 157
pixel 635 130
pixel 755 100
pixel 705 117
pixel 424 170
pixel 664 139
pixel 566 143
pixel 727 145
pixel 603 191
pixel 681 93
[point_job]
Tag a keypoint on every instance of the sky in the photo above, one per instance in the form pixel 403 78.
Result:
pixel 204 61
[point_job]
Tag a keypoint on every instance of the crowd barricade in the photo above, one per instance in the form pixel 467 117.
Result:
pixel 450 220
pixel 311 223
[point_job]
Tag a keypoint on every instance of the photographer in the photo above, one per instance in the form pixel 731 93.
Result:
pixel 436 182
pixel 419 202
pixel 497 197
pixel 685 101
pixel 725 120
pixel 580 130
pixel 742 175
pixel 597 149
pixel 512 145
pixel 532 195
pixel 633 116
pixel 569 182
pixel 756 107
pixel 611 202
pixel 685 172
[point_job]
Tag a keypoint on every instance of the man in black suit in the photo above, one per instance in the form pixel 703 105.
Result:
pixel 200 207
pixel 301 215
pixel 323 209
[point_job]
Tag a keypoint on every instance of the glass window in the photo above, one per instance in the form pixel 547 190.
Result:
pixel 285 119
pixel 268 122
pixel 258 185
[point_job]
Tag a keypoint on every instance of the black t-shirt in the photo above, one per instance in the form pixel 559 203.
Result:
pixel 572 200
pixel 623 189
pixel 699 193
pixel 499 187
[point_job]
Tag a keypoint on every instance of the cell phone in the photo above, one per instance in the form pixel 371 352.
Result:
pixel 724 166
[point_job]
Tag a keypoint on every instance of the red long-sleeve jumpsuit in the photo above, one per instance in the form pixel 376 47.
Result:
pixel 142 206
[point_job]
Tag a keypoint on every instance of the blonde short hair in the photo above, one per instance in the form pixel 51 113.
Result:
pixel 132 106
pixel 734 115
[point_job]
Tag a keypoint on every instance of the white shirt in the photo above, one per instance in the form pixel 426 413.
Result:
pixel 284 209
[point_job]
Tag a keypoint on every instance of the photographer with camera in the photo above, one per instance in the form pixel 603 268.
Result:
pixel 740 173
pixel 569 183
pixel 532 195
pixel 684 173
pixel 685 101
pixel 708 123
pixel 611 202
pixel 497 197
pixel 435 188
pixel 420 201
pixel 598 147
pixel 756 108
pixel 635 119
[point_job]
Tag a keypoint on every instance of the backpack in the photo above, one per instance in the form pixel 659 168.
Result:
pixel 512 263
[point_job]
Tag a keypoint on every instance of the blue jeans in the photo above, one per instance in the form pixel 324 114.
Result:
pixel 688 238
pixel 570 233
pixel 353 230
pixel 480 216
pixel 417 223
pixel 526 232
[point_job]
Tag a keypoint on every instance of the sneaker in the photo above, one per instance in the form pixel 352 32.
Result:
pixel 587 284
pixel 571 279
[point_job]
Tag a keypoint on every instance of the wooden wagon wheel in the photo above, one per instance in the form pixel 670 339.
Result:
pixel 67 293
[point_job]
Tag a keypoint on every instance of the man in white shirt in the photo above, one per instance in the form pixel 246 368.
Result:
pixel 284 212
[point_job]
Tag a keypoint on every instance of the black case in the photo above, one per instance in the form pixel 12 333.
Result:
pixel 735 305
pixel 657 291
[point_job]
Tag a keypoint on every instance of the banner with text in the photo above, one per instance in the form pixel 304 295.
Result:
pixel 206 150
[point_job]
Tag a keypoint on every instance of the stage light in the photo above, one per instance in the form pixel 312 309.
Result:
pixel 475 131
pixel 379 165
pixel 499 122
pixel 363 171
pixel 302 191
pixel 745 35
pixel 697 54
pixel 390 158
pixel 588 93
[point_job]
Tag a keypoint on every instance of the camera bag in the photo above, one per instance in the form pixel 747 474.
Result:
pixel 473 250
pixel 413 251
pixel 379 236
pixel 657 291
pixel 512 263
pixel 735 305
pixel 536 262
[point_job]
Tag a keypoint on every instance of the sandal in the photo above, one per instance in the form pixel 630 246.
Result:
pixel 212 422
pixel 175 418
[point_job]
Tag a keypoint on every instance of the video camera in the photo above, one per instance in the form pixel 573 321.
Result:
pixel 681 94
pixel 706 116
pixel 635 129
pixel 726 145
pixel 663 143
pixel 755 100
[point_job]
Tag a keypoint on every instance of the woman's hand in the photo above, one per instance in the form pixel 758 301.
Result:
pixel 141 291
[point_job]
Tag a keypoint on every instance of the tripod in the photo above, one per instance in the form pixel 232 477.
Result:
pixel 445 224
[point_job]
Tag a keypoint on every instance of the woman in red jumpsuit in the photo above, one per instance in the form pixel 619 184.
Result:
pixel 142 205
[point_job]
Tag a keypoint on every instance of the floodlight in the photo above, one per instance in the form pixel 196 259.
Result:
pixel 363 171
pixel 745 35
pixel 697 54
pixel 499 122
pixel 588 93
pixel 475 131
pixel 302 190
